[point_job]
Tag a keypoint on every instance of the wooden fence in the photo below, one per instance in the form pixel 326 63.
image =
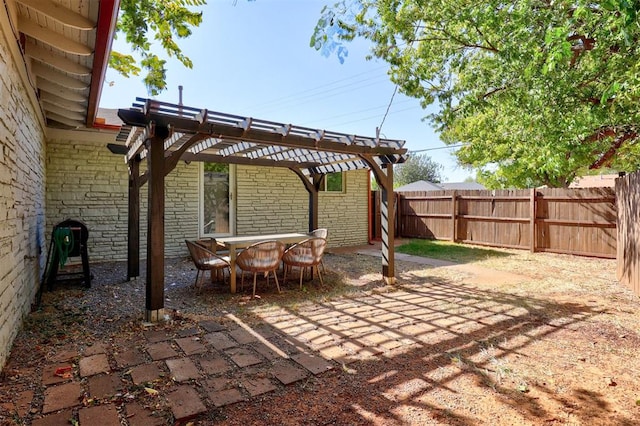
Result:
pixel 572 221
pixel 628 203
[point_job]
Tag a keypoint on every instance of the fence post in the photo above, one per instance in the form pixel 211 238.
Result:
pixel 532 216
pixel 454 206
pixel 399 221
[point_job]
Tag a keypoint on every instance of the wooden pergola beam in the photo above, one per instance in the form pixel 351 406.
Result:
pixel 230 132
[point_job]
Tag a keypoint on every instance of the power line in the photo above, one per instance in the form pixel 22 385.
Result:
pixel 433 149
pixel 346 114
pixel 384 117
pixel 321 89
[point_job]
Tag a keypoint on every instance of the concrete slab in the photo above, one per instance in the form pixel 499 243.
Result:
pixel 94 364
pixel 161 350
pixel 185 403
pixel 103 415
pixel 61 396
pixel 182 369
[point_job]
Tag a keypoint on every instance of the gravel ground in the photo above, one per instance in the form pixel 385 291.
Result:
pixel 517 339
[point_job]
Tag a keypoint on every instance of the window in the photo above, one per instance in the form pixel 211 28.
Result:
pixel 216 208
pixel 333 182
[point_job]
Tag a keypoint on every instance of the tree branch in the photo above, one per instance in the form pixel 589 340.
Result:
pixel 608 155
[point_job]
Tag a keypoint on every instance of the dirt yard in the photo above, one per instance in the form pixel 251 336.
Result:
pixel 517 339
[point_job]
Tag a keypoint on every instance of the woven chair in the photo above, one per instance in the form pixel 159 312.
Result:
pixel 206 260
pixel 305 254
pixel 322 233
pixel 264 257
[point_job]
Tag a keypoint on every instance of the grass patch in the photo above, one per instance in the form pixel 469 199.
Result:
pixel 446 250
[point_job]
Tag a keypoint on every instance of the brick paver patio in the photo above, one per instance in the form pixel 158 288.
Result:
pixel 185 372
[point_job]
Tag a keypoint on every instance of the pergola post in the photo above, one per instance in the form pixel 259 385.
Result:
pixel 133 222
pixel 155 223
pixel 384 177
pixel 388 227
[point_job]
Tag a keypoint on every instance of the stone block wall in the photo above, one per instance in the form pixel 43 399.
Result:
pixel 86 182
pixel 22 197
pixel 274 200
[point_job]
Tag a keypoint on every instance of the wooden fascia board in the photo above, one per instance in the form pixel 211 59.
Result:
pixel 105 30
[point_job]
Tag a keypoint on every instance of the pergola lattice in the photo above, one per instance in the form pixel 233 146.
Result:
pixel 164 133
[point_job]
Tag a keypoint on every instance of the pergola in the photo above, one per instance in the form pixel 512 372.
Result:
pixel 164 133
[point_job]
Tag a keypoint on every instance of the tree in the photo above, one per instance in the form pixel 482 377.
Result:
pixel 535 91
pixel 165 21
pixel 418 167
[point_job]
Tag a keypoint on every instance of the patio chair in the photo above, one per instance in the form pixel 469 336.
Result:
pixel 265 257
pixel 305 254
pixel 322 233
pixel 206 260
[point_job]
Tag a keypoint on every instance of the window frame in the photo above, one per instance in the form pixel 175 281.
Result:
pixel 232 203
pixel 343 190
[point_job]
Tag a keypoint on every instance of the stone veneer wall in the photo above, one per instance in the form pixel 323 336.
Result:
pixel 22 198
pixel 85 181
pixel 272 200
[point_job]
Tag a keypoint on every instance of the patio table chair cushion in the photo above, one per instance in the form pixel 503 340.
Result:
pixel 322 233
pixel 305 254
pixel 205 260
pixel 264 256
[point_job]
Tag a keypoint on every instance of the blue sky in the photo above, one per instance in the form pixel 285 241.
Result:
pixel 253 59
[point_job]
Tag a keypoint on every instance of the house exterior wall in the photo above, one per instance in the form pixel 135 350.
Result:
pixel 86 182
pixel 273 200
pixel 22 194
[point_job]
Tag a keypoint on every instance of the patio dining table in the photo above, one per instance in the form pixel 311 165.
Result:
pixel 239 242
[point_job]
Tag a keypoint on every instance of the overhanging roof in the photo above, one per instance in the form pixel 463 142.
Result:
pixel 203 135
pixel 65 46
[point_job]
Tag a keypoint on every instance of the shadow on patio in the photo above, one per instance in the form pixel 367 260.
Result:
pixel 430 350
